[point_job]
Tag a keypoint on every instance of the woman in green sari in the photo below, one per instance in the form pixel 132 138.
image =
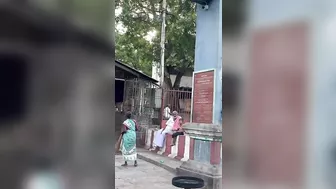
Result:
pixel 128 142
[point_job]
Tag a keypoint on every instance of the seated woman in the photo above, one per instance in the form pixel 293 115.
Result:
pixel 177 129
pixel 160 136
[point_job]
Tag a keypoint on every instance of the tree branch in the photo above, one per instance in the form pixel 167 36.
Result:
pixel 152 9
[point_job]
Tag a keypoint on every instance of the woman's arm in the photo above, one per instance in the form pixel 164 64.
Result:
pixel 123 129
pixel 181 123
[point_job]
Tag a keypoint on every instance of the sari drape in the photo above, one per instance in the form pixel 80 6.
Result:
pixel 128 142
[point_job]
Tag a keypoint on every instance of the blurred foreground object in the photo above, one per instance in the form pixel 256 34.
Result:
pixel 56 99
pixel 289 131
pixel 43 176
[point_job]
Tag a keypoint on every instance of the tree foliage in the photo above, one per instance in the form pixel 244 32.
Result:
pixel 141 17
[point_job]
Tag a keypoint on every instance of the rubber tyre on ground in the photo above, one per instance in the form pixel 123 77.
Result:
pixel 187 182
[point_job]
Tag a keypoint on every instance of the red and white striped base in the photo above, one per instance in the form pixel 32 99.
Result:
pixel 183 150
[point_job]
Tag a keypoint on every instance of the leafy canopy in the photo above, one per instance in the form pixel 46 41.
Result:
pixel 138 35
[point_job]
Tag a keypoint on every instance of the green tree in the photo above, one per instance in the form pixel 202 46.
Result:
pixel 139 18
pixel 130 53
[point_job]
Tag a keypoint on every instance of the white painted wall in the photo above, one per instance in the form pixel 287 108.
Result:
pixel 186 81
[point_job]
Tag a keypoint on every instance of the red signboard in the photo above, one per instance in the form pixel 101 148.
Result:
pixel 203 97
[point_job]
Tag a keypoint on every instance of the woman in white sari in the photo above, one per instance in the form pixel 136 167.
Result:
pixel 160 136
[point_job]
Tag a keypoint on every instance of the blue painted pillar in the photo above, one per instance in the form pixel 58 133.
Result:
pixel 208 55
pixel 208 50
pixel 206 136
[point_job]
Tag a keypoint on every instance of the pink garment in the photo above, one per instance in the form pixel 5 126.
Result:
pixel 177 125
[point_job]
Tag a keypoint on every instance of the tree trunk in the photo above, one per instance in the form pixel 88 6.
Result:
pixel 167 79
pixel 177 81
pixel 175 94
pixel 172 96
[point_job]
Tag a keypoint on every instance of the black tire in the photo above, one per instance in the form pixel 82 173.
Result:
pixel 187 182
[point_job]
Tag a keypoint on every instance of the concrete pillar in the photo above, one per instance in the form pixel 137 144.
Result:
pixel 205 129
pixel 208 50
pixel 205 154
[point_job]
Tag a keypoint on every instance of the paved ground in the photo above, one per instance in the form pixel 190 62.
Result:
pixel 164 162
pixel 146 175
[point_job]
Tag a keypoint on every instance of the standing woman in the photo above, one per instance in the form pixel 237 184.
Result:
pixel 128 142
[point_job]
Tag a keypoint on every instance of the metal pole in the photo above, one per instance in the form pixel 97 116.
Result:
pixel 163 36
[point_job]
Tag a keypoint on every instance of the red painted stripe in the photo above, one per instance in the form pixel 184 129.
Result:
pixel 191 151
pixel 168 147
pixel 163 124
pixel 215 153
pixel 180 147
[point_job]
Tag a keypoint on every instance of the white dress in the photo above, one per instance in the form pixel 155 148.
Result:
pixel 160 134
pixel 169 126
